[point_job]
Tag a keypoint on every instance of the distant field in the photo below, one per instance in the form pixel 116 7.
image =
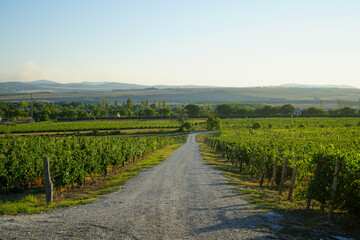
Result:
pixel 330 97
pixel 89 125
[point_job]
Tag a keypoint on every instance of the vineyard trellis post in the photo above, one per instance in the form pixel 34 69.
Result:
pixel 274 172
pixel 332 199
pixel 293 179
pixel 242 159
pixel 47 180
pixel 252 163
pixel 261 174
pixel 283 174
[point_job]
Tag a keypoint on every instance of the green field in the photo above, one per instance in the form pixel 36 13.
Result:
pixel 90 125
pixel 300 97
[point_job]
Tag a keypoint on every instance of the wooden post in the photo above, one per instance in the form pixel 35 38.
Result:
pixel 261 176
pixel 236 159
pixel 261 165
pixel 308 203
pixel 283 174
pixel 274 171
pixel 242 159
pixel 332 201
pixel 47 180
pixel 253 164
pixel 293 179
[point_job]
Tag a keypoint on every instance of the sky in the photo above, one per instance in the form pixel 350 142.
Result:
pixel 231 43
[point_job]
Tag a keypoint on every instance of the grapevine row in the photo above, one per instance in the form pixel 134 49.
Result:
pixel 72 158
pixel 314 152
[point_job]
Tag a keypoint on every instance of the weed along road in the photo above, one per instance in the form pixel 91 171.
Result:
pixel 181 198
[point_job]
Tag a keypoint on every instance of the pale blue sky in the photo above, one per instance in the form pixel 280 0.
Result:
pixel 221 43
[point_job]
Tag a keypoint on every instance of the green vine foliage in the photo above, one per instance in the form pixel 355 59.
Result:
pixel 72 158
pixel 318 143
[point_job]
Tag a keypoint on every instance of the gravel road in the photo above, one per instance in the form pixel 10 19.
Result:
pixel 181 198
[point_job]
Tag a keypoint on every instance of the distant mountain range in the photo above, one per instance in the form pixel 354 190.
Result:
pixel 51 86
pixel 294 85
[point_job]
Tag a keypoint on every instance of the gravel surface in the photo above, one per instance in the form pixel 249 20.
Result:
pixel 181 198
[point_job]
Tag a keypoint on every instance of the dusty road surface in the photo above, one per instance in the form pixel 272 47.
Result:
pixel 181 198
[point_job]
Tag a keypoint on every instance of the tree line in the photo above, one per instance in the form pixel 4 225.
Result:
pixel 45 111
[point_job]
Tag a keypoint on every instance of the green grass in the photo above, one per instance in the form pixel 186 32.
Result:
pixel 35 203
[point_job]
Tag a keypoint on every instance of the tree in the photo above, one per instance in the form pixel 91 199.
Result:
pixel 153 105
pixel 213 123
pixel 82 114
pixel 193 110
pixel 149 113
pixel 348 112
pixel 68 113
pixel 186 126
pixel 287 110
pixel 266 111
pixel 129 103
pixel 105 103
pixel 224 110
pixel 165 112
pixel 313 112
pixel 123 113
pixel 181 115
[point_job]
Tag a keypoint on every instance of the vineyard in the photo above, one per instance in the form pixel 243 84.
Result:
pixel 317 160
pixel 72 158
pixel 89 125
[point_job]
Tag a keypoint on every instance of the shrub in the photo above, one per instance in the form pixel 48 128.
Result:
pixel 256 125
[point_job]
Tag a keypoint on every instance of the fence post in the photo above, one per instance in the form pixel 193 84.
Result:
pixel 252 162
pixel 47 180
pixel 293 179
pixel 261 174
pixel 283 174
pixel 242 159
pixel 274 171
pixel 236 159
pixel 332 201
pixel 308 203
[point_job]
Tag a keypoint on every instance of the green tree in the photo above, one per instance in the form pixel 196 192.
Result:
pixel 224 110
pixel 313 112
pixel 105 103
pixel 165 112
pixel 213 123
pixel 287 110
pixel 68 113
pixel 187 126
pixel 149 113
pixel 193 110
pixel 82 114
pixel 129 103
pixel 181 115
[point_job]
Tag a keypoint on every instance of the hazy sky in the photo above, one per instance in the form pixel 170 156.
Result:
pixel 202 42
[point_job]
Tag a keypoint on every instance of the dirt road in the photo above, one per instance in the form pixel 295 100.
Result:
pixel 181 198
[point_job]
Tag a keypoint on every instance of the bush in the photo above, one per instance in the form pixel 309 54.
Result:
pixel 256 125
pixel 186 126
